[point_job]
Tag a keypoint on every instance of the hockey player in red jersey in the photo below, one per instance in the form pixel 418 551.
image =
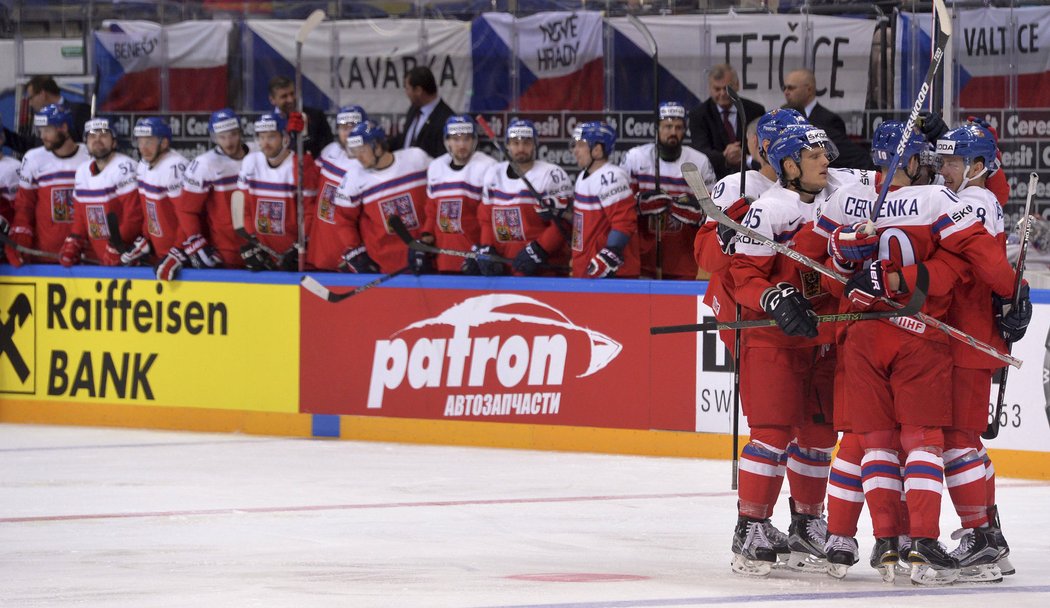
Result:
pixel 104 185
pixel 604 216
pixel 202 204
pixel 268 178
pixel 330 231
pixel 381 185
pixel 43 207
pixel 513 223
pixel 786 372
pixel 658 204
pixel 454 185
pixel 970 159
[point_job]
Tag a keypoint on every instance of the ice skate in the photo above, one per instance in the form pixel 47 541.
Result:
pixel 806 537
pixel 978 555
pixel 903 567
pixel 780 543
pixel 841 553
pixel 931 564
pixel 1000 541
pixel 753 552
pixel 884 558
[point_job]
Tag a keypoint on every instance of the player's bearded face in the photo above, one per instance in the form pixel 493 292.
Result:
pixel 53 138
pixel 522 150
pixel 271 143
pixel 672 131
pixel 100 144
pixel 460 147
pixel 229 142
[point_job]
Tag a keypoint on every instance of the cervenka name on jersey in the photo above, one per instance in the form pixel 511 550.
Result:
pixel 525 346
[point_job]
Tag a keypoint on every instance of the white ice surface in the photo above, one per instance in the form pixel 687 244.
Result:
pixel 127 518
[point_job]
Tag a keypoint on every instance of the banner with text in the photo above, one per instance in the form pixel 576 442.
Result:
pixel 117 340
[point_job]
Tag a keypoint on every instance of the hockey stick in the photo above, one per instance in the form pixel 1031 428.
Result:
pixel 314 286
pixel 237 219
pixel 696 182
pixel 741 123
pixel 944 33
pixel 521 174
pixel 913 306
pixel 6 240
pixel 115 240
pixel 655 52
pixel 308 26
pixel 1026 234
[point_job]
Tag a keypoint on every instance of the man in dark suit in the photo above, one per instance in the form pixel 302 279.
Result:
pixel 318 131
pixel 714 124
pixel 425 121
pixel 42 91
pixel 800 93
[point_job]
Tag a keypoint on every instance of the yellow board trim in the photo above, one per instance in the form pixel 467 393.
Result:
pixel 678 444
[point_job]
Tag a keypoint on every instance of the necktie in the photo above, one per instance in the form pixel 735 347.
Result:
pixel 413 129
pixel 730 131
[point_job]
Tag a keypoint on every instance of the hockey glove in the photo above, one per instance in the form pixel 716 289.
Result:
pixel 111 256
pixel 470 265
pixel 296 123
pixel 550 208
pixel 71 249
pixel 932 126
pixel 169 267
pixel 726 235
pixel 139 249
pixel 529 259
pixel 255 259
pixel 421 262
pixel 606 263
pixel 1013 321
pixel 356 259
pixel 653 202
pixel 289 261
pixel 1040 237
pixel 23 237
pixel 873 282
pixel 852 244
pixel 199 253
pixel 686 209
pixel 488 266
pixel 792 312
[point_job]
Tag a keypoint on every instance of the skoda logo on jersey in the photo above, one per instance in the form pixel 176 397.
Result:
pixel 524 341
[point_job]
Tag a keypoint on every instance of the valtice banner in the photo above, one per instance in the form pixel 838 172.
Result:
pixel 115 340
pixel 364 62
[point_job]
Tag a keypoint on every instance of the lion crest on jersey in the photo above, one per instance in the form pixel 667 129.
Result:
pixel 269 217
pixel 96 222
pixel 577 231
pixel 507 224
pixel 325 206
pixel 62 205
pixel 152 221
pixel 450 216
pixel 402 206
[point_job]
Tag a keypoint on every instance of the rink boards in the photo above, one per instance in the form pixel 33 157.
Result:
pixel 558 364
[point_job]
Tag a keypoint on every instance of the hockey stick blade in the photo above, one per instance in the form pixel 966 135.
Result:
pixel 315 287
pixel 237 219
pixel 696 183
pixel 309 25
pixel 914 304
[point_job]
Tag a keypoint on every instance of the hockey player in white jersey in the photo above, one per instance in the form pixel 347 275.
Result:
pixel 513 223
pixel 659 208
pixel 202 204
pixel 330 233
pixel 454 184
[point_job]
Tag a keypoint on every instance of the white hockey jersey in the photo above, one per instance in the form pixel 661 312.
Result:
pixel 44 202
pixel 453 196
pixel 203 202
pixel 8 185
pixel 508 212
pixel 159 185
pixel 114 189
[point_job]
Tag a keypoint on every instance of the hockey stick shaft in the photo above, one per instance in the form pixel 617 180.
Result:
pixel 692 176
pixel 741 123
pixel 315 287
pixel 1026 234
pixel 115 239
pixel 237 219
pixel 6 240
pixel 942 39
pixel 307 27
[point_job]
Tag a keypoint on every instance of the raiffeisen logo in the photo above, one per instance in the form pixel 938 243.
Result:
pixel 496 341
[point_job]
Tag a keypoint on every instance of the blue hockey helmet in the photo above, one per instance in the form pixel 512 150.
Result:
pixel 152 126
pixel 521 128
pixel 365 133
pixel 888 137
pixel 223 120
pixel 594 133
pixel 460 124
pixel 53 115
pixel 351 115
pixel 793 140
pixel 773 122
pixel 98 125
pixel 670 109
pixel 271 122
pixel 970 141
